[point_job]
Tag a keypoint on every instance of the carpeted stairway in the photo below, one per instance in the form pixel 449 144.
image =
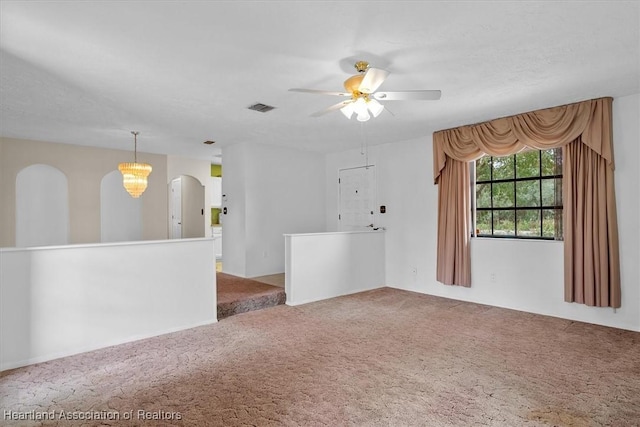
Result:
pixel 239 295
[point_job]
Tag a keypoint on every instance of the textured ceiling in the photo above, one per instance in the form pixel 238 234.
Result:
pixel 184 72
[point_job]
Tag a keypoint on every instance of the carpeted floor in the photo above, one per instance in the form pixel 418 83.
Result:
pixel 239 295
pixel 379 358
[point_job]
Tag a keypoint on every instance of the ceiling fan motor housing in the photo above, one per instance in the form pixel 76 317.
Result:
pixel 361 66
pixel 353 83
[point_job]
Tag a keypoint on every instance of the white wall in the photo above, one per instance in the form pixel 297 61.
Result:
pixel 326 265
pixel 626 133
pixel 234 222
pixel 522 275
pixel 61 300
pixel 120 214
pixel 403 176
pixel 270 191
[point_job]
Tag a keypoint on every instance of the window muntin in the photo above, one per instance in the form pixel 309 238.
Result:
pixel 519 196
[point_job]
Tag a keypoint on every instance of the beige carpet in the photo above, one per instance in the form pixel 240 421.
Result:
pixel 380 358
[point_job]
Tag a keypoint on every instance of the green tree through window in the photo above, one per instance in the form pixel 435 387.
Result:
pixel 520 195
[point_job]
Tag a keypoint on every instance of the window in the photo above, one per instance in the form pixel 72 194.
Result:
pixel 519 196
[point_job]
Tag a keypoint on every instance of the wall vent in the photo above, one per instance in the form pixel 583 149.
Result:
pixel 263 108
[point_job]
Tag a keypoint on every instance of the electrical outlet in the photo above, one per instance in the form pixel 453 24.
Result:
pixel 492 277
pixel 265 254
pixel 414 271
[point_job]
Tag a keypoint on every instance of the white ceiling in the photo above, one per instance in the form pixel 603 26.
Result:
pixel 182 72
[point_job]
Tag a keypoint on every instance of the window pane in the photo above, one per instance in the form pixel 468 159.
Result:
pixel 552 223
pixel 483 169
pixel 552 192
pixel 503 167
pixel 552 162
pixel 511 207
pixel 528 223
pixel 528 164
pixel 503 195
pixel 483 223
pixel 483 195
pixel 528 193
pixel 503 223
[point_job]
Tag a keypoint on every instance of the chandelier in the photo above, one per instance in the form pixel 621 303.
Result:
pixel 134 175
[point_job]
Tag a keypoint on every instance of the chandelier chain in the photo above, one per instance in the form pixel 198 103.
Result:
pixel 135 146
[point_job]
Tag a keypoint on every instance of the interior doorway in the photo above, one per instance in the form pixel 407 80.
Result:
pixel 186 208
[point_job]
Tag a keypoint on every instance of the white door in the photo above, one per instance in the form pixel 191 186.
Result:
pixel 357 198
pixel 176 208
pixel 192 198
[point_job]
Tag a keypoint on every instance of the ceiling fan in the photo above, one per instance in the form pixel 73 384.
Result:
pixel 363 98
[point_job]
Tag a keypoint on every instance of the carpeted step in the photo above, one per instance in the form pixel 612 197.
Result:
pixel 239 295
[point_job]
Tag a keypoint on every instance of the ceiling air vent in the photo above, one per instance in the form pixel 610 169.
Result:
pixel 263 108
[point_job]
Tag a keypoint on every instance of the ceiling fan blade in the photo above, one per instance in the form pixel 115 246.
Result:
pixel 320 92
pixel 408 95
pixel 334 107
pixel 372 80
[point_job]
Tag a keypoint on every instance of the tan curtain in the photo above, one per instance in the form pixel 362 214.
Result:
pixel 454 217
pixel 591 271
pixel 589 122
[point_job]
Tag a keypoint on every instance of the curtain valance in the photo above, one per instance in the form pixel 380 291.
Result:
pixel 584 130
pixel 541 129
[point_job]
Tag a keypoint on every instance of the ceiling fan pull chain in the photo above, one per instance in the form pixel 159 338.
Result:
pixel 364 147
pixel 361 138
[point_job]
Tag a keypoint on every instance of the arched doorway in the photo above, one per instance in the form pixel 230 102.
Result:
pixel 186 208
pixel 42 207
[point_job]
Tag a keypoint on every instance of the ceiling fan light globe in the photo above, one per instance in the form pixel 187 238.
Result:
pixel 360 106
pixel 363 117
pixel 375 107
pixel 348 110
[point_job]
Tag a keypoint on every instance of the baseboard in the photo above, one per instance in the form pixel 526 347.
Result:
pixel 310 300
